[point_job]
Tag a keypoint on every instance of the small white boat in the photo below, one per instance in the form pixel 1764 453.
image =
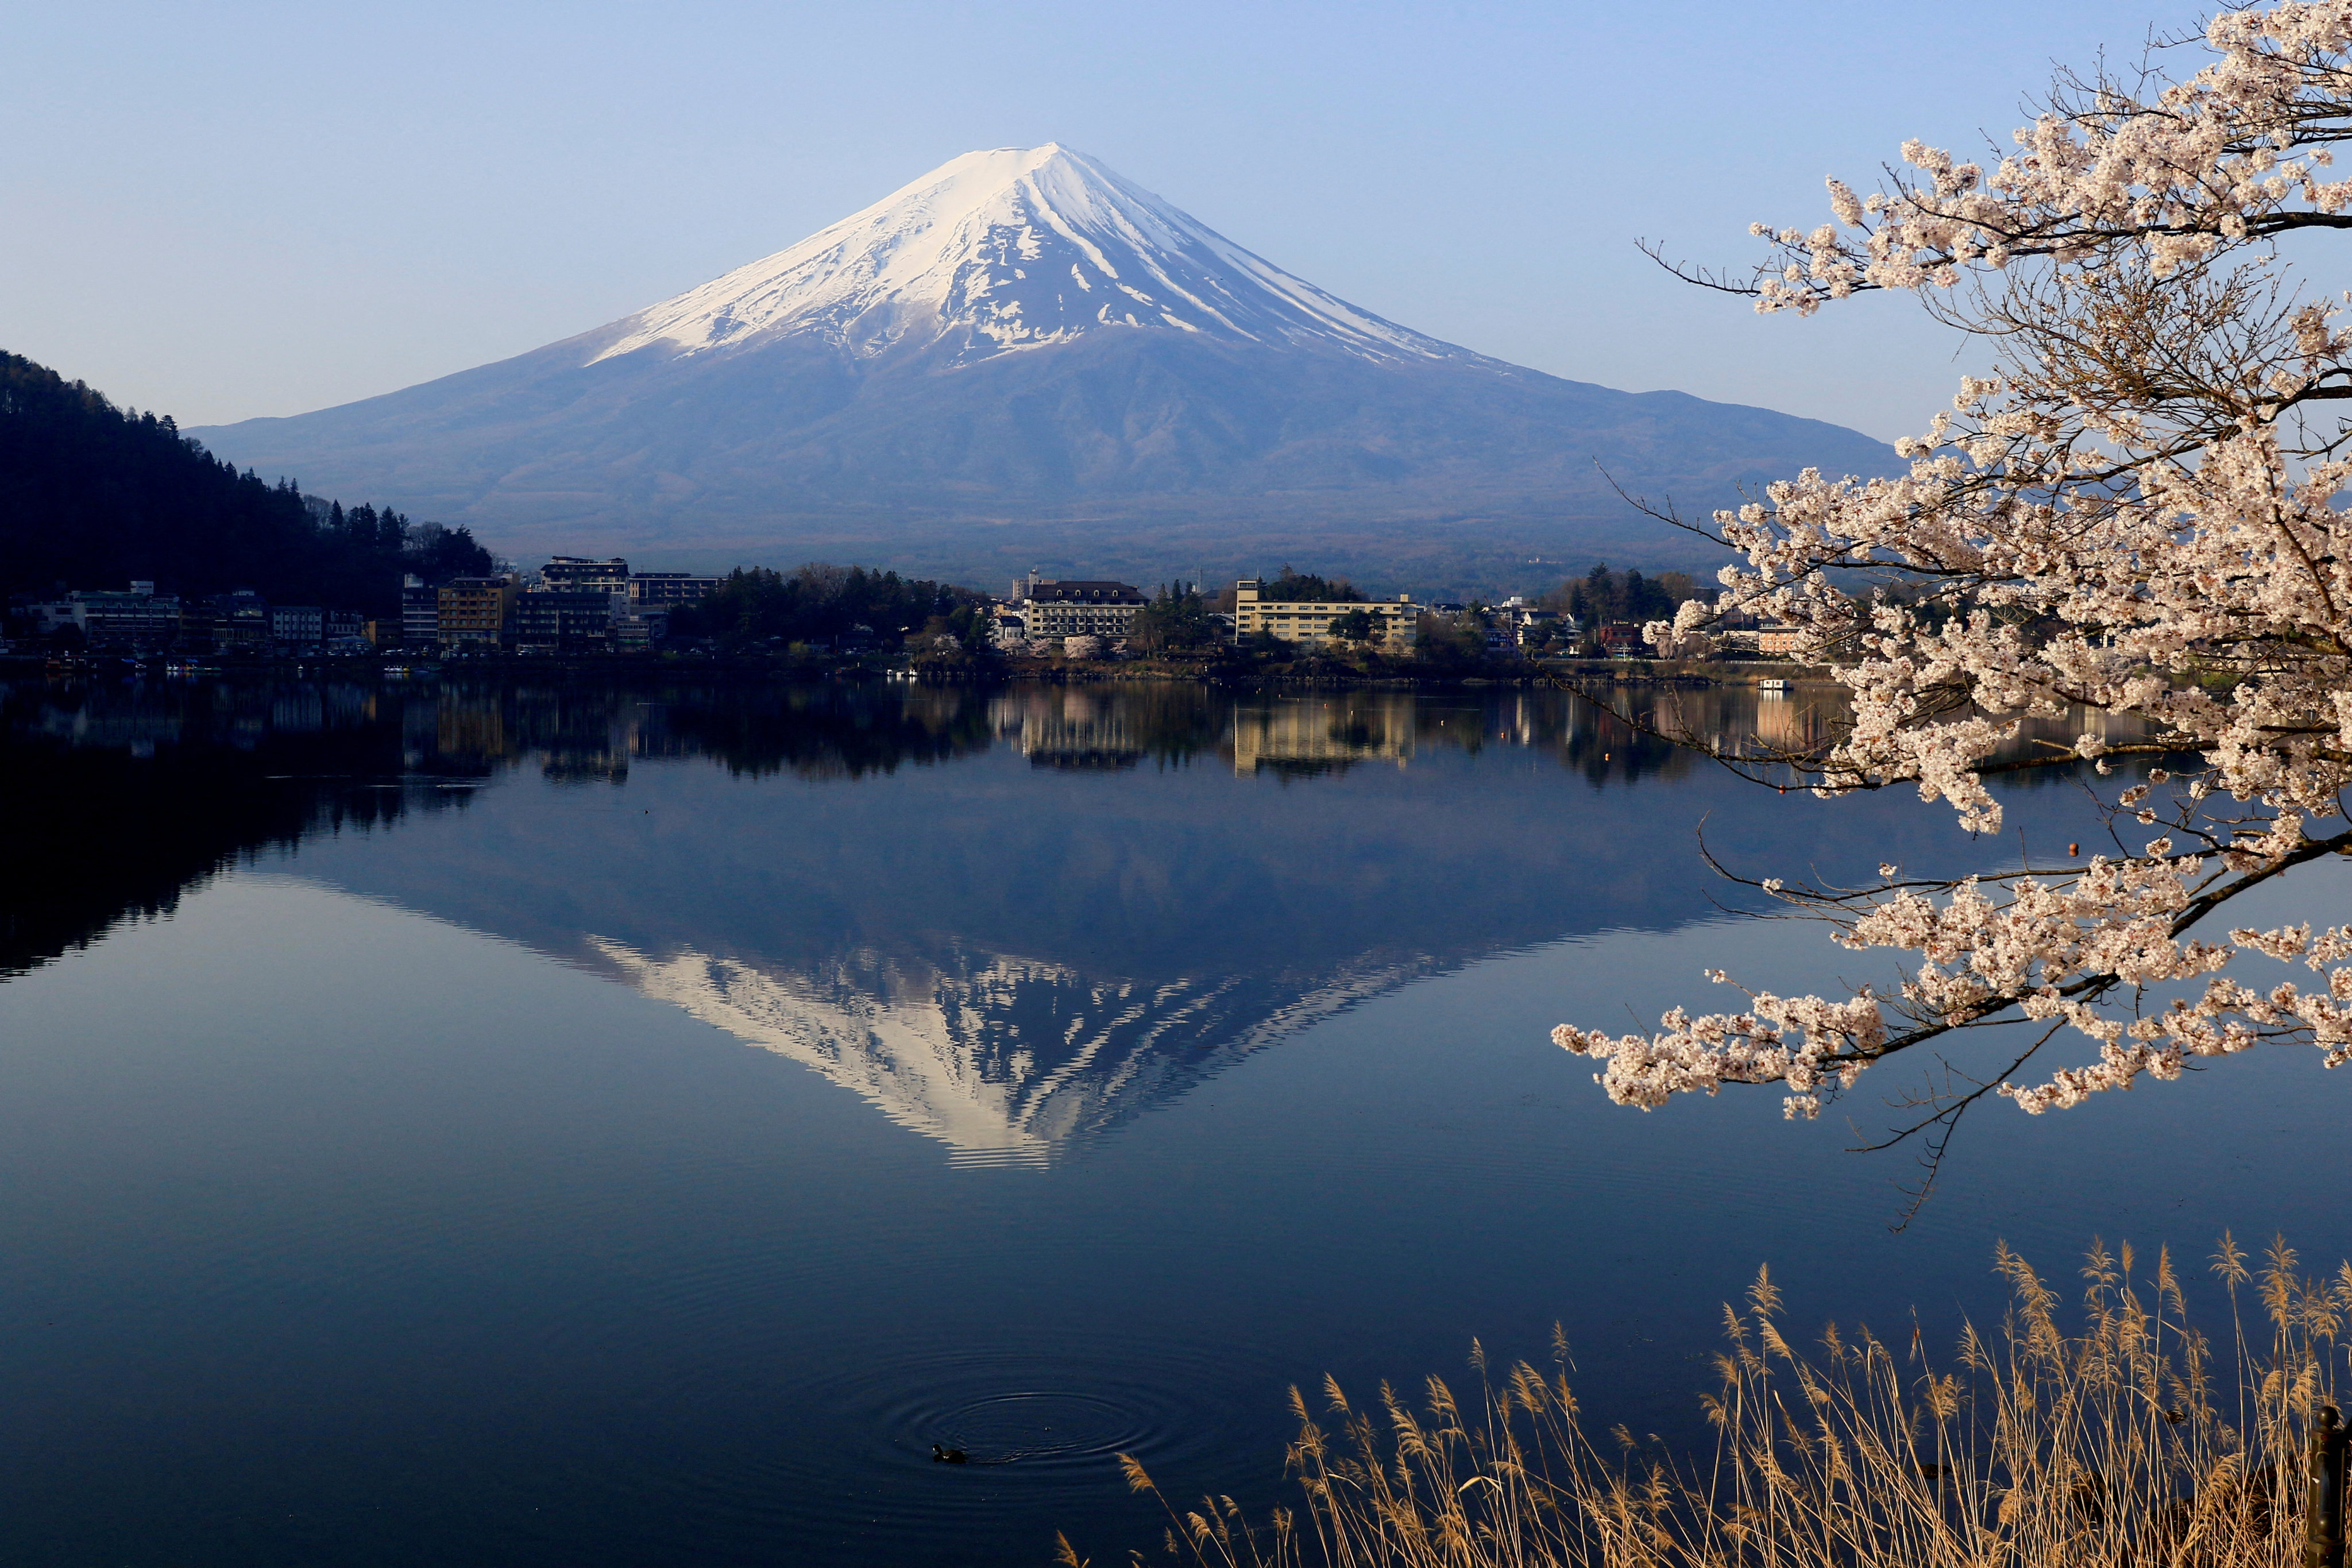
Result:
pixel 1776 683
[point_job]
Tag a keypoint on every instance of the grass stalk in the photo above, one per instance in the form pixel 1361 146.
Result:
pixel 2109 1436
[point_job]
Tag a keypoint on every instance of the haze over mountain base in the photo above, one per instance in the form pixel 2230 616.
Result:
pixel 1021 360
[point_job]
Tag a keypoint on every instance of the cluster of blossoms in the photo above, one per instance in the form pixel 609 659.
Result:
pixel 1803 1042
pixel 2138 521
pixel 2235 152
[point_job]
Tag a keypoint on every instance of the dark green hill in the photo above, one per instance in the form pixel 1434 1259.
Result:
pixel 92 496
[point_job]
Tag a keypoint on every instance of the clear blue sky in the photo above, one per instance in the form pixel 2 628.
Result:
pixel 240 209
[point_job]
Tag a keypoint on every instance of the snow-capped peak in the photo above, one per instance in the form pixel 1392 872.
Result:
pixel 1010 249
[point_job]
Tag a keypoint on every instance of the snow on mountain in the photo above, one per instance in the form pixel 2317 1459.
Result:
pixel 1021 359
pixel 1003 1060
pixel 1014 248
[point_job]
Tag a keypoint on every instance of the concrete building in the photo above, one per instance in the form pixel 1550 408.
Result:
pixel 636 629
pixel 665 590
pixel 1532 627
pixel 240 621
pixel 298 627
pixel 644 590
pixel 1624 639
pixel 566 621
pixel 199 627
pixel 1050 609
pixel 55 615
pixel 1309 620
pixel 579 575
pixel 477 612
pixel 138 621
pixel 420 613
pixel 1776 640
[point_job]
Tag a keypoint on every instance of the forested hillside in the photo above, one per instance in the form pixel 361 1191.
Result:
pixel 828 603
pixel 92 496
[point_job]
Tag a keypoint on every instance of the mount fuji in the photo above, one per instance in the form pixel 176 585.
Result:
pixel 1022 357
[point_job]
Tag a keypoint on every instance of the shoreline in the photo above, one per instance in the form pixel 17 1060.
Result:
pixel 380 669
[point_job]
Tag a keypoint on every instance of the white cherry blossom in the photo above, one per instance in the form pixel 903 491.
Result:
pixel 2138 518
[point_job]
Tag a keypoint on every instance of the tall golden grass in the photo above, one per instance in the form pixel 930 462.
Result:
pixel 2130 1439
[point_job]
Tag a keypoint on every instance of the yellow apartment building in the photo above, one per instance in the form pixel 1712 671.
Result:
pixel 476 610
pixel 1309 621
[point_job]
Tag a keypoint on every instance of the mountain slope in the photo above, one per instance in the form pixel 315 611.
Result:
pixel 1018 248
pixel 1022 357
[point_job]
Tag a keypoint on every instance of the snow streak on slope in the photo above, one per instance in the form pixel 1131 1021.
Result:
pixel 1003 1060
pixel 1007 249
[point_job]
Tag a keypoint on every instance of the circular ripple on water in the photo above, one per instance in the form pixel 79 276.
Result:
pixel 1077 1403
pixel 1034 1427
pixel 1042 1424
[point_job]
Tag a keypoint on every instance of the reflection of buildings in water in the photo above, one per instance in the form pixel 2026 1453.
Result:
pixel 577 737
pixel 583 765
pixel 137 719
pixel 1810 721
pixel 1519 721
pixel 1070 730
pixel 301 710
pixel 1002 1059
pixel 1787 722
pixel 472 731
pixel 2117 728
pixel 1323 731
pixel 132 730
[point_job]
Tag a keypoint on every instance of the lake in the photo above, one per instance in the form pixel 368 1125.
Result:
pixel 555 1124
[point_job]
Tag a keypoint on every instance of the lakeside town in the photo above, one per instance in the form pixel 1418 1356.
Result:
pixel 577 606
pixel 1496 787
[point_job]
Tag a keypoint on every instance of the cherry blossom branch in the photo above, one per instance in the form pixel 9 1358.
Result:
pixel 2134 525
pixel 1937 1130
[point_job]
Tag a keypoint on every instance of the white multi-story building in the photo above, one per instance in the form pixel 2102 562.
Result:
pixel 420 613
pixel 651 591
pixel 1074 609
pixel 141 619
pixel 645 591
pixel 634 629
pixel 1531 625
pixel 584 574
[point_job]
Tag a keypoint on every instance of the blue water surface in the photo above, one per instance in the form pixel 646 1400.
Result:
pixel 598 1125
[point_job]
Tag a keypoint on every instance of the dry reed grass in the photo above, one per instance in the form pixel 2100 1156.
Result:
pixel 2131 1441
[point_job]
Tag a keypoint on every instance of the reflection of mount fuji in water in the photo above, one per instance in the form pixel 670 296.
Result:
pixel 1015 1054
pixel 1013 921
pixel 1010 920
pixel 1000 1058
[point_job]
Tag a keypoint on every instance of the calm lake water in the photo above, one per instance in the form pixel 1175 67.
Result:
pixel 584 1125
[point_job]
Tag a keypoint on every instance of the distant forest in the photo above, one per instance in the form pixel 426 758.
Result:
pixel 829 604
pixel 1600 595
pixel 92 496
pixel 1289 587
